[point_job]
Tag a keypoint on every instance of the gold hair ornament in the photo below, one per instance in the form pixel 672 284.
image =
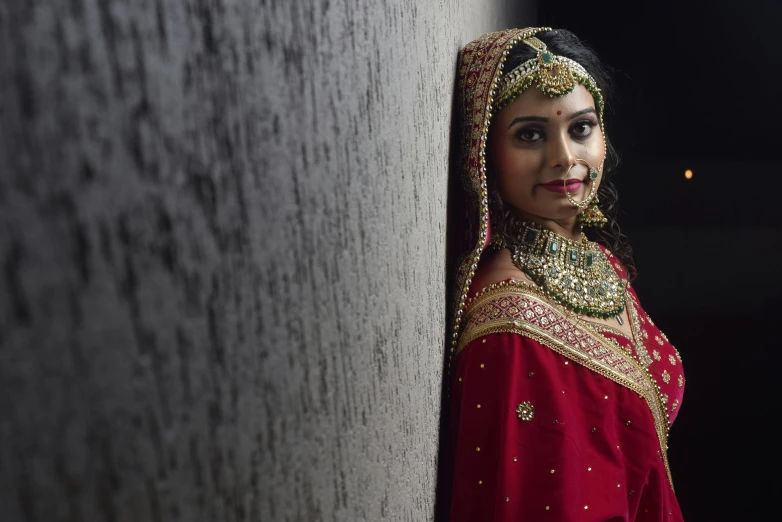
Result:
pixel 554 76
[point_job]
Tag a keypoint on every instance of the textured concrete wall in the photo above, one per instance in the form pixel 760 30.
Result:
pixel 221 237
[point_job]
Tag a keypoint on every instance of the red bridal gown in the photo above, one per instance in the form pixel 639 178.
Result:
pixel 558 419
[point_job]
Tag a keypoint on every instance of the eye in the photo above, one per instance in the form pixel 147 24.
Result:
pixel 529 134
pixel 583 128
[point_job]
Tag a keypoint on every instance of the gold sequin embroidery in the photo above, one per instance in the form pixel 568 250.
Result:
pixel 666 377
pixel 525 411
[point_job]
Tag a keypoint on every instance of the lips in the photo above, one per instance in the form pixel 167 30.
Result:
pixel 558 182
pixel 573 185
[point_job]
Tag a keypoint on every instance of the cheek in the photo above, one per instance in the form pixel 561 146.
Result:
pixel 596 149
pixel 515 167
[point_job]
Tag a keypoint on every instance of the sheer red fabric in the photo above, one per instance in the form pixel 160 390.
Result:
pixel 589 453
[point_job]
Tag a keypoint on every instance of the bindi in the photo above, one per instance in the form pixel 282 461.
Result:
pixel 559 113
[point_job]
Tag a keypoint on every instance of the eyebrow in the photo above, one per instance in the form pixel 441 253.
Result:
pixel 542 119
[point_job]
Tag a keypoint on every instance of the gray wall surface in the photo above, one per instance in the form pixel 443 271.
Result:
pixel 223 256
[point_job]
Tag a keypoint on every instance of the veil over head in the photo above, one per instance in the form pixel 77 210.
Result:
pixel 480 68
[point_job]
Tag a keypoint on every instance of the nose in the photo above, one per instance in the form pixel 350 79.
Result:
pixel 561 156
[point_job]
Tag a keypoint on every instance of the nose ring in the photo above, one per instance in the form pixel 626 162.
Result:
pixel 593 175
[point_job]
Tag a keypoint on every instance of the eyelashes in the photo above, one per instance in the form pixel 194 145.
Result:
pixel 580 129
pixel 587 124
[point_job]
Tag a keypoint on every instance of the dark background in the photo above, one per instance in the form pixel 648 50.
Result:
pixel 697 87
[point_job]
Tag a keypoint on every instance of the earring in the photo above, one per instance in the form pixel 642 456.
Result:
pixel 592 216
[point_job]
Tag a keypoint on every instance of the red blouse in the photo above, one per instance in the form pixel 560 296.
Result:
pixel 554 418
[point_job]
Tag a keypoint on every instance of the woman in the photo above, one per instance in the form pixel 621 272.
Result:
pixel 562 388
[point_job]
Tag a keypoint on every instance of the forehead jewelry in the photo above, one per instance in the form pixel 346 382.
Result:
pixel 554 76
pixel 593 175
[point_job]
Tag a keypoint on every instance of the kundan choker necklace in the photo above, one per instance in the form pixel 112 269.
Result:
pixel 576 274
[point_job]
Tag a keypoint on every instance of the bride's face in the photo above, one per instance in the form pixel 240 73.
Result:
pixel 534 140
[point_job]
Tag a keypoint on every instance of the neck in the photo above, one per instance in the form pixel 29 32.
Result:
pixel 569 228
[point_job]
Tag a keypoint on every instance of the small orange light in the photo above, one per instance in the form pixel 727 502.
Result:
pixel 688 174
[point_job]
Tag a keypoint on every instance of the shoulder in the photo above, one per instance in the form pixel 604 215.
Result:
pixel 496 267
pixel 512 306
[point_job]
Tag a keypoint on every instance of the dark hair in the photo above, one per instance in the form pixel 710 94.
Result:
pixel 564 43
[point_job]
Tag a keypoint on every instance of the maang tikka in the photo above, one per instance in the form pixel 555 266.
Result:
pixel 553 75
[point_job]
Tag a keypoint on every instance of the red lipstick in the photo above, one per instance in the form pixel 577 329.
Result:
pixel 573 185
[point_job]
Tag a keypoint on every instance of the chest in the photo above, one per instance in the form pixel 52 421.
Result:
pixel 644 341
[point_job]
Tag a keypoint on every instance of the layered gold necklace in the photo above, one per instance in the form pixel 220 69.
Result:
pixel 576 274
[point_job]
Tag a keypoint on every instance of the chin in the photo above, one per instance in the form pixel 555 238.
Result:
pixel 565 211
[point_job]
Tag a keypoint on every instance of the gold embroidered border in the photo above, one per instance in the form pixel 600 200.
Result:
pixel 635 326
pixel 518 307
